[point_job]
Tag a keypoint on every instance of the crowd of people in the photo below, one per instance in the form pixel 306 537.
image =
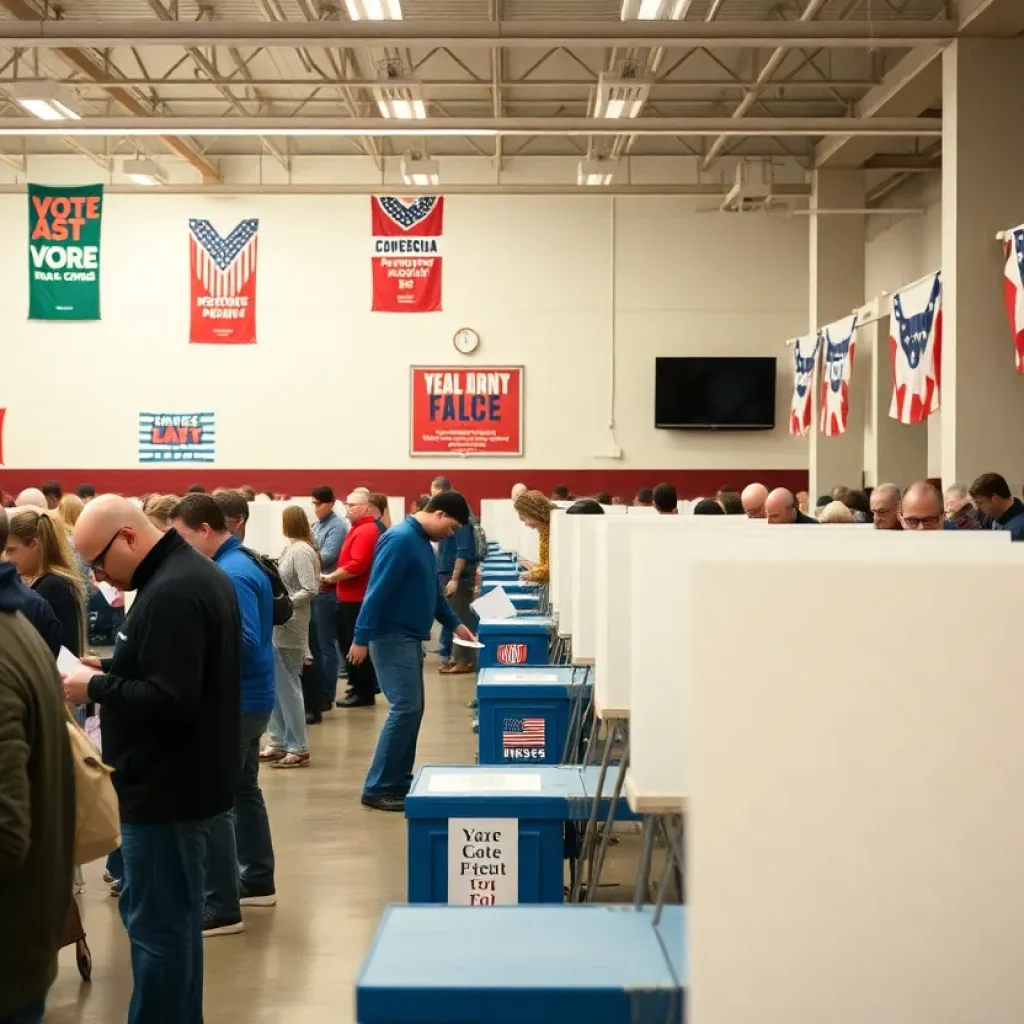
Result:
pixel 227 659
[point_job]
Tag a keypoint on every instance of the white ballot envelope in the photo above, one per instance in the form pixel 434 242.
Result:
pixel 494 605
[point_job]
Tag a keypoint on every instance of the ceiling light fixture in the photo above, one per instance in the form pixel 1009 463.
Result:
pixel 420 170
pixel 654 10
pixel 143 171
pixel 401 99
pixel 620 97
pixel 595 172
pixel 374 10
pixel 45 100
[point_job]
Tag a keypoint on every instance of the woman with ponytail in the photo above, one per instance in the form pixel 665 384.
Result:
pixel 38 547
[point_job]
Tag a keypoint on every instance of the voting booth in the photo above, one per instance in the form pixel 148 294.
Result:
pixel 485 836
pixel 520 641
pixel 525 965
pixel 524 713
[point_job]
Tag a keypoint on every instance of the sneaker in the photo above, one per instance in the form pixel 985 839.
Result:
pixel 256 897
pixel 384 802
pixel 356 702
pixel 292 761
pixel 457 668
pixel 268 755
pixel 215 924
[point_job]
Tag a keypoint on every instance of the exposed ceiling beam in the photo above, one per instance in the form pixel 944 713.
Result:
pixel 584 85
pixel 906 163
pixel 91 68
pixel 719 34
pixel 475 126
pixel 914 84
pixel 990 17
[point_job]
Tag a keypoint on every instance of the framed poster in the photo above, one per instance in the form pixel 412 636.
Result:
pixel 460 411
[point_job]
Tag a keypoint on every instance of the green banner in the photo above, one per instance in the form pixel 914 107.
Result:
pixel 64 252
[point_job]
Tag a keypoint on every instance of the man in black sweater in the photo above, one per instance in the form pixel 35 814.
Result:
pixel 169 701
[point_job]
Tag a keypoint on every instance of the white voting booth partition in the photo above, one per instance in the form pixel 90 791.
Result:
pixel 665 622
pixel 853 768
pixel 263 532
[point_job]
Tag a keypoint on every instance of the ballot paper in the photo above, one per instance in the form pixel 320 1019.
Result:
pixel 467 643
pixel 494 605
pixel 67 662
pixel 491 782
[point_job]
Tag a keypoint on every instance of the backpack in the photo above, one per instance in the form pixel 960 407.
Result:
pixel 97 822
pixel 283 609
pixel 481 539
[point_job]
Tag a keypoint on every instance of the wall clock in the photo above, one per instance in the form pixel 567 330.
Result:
pixel 466 340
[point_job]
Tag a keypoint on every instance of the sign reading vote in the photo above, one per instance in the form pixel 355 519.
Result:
pixel 483 862
pixel 456 411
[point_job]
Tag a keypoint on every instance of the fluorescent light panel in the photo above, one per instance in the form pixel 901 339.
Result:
pixel 45 100
pixel 204 131
pixel 401 99
pixel 422 172
pixel 374 10
pixel 595 172
pixel 654 10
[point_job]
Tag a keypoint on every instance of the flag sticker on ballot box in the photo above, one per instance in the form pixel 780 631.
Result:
pixel 512 654
pixel 522 739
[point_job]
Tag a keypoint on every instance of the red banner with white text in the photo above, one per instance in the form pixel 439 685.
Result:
pixel 456 411
pixel 406 248
pixel 223 289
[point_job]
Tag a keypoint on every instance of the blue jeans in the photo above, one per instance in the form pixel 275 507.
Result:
pixel 240 844
pixel 287 726
pixel 162 909
pixel 399 664
pixel 31 1014
pixel 324 615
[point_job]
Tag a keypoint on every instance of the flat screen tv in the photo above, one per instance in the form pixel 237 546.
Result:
pixel 714 393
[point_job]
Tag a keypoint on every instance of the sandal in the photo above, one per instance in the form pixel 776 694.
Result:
pixel 272 755
pixel 293 761
pixel 456 668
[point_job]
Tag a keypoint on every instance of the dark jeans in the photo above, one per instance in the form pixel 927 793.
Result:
pixel 362 679
pixel 324 615
pixel 31 1014
pixel 399 661
pixel 162 909
pixel 461 602
pixel 240 844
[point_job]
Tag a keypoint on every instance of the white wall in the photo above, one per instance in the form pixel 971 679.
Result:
pixel 901 249
pixel 533 274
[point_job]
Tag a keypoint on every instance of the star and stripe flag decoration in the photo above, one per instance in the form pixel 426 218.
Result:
pixel 915 348
pixel 1013 289
pixel 223 283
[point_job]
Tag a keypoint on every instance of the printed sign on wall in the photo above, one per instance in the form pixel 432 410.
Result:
pixel 64 252
pixel 456 411
pixel 176 437
pixel 406 248
pixel 483 862
pixel 223 275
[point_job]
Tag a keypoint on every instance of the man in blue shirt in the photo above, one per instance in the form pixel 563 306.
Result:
pixel 1002 511
pixel 456 566
pixel 329 533
pixel 240 857
pixel 402 601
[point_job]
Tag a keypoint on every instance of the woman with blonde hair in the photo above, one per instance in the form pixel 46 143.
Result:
pixel 299 566
pixel 38 547
pixel 69 508
pixel 157 510
pixel 836 512
pixel 534 510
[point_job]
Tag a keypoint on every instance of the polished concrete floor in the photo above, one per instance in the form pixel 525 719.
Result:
pixel 338 865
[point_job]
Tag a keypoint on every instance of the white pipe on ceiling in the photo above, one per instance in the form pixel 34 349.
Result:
pixel 899 34
pixel 27 127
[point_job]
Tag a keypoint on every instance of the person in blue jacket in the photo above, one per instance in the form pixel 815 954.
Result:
pixel 403 599
pixel 240 858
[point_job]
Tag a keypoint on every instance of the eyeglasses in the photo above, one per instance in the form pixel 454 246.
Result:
pixel 921 522
pixel 97 563
pixel 877 513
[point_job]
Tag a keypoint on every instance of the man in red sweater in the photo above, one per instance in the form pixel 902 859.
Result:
pixel 351 577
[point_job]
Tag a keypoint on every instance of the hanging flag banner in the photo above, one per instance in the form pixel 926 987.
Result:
pixel 836 342
pixel 176 437
pixel 1013 290
pixel 64 252
pixel 456 411
pixel 915 346
pixel 223 279
pixel 3 416
pixel 406 248
pixel 805 352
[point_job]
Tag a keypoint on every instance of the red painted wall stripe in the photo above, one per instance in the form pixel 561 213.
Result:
pixel 474 483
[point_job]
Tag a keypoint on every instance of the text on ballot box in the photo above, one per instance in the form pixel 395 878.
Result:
pixel 524 714
pixel 523 640
pixel 473 825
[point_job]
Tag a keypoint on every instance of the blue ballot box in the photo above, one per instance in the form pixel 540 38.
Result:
pixel 480 836
pixel 523 640
pixel 526 604
pixel 511 586
pixel 525 965
pixel 524 713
